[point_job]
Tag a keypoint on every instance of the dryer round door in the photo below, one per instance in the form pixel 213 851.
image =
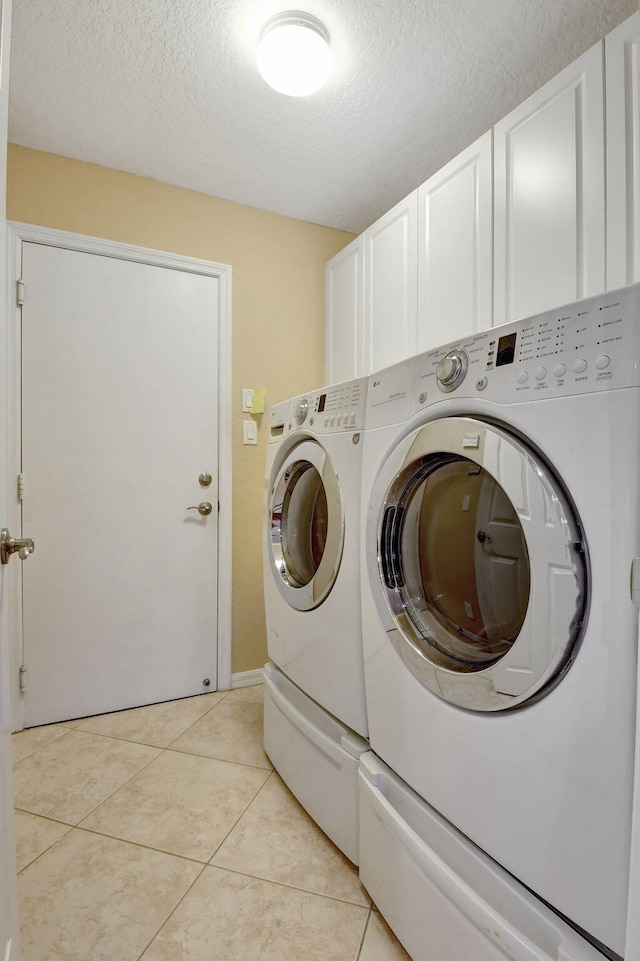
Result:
pixel 481 563
pixel 307 526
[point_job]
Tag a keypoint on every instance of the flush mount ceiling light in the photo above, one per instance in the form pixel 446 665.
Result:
pixel 294 56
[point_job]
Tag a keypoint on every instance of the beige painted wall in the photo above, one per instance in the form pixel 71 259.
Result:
pixel 278 310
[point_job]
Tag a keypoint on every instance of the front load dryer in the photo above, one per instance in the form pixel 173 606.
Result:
pixel 500 528
pixel 311 564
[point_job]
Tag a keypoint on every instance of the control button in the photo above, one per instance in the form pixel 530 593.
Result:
pixel 326 422
pixel 332 421
pixel 580 366
pixel 541 373
pixel 481 383
pixel 353 418
pixel 603 361
pixel 447 369
pixel 491 353
pixel 338 418
pixel 452 369
pixel 301 410
pixel 523 377
pixel 560 370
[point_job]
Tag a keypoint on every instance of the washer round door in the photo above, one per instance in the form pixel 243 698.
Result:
pixel 481 563
pixel 307 526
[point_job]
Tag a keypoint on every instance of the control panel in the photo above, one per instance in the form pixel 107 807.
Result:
pixel 588 346
pixel 340 407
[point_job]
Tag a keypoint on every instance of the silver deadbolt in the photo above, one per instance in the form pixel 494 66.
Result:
pixel 204 508
pixel 205 479
pixel 22 546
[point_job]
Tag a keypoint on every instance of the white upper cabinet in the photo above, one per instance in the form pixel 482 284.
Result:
pixel 391 286
pixel 549 213
pixel 345 313
pixel 455 241
pixel 527 218
pixel 623 153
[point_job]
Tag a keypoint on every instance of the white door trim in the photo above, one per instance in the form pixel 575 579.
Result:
pixel 19 232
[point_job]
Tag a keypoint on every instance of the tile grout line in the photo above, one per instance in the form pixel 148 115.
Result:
pixel 161 751
pixel 224 694
pixel 36 750
pixel 171 913
pixel 239 818
pixel 120 786
pixel 139 844
pixel 160 747
pixel 364 933
pixel 223 760
pixel 294 887
pixel 69 827
pixel 235 700
pixel 290 887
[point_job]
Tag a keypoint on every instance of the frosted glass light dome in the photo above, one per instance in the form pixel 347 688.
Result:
pixel 294 56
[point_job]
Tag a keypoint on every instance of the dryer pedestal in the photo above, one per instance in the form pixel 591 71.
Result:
pixel 440 894
pixel 316 756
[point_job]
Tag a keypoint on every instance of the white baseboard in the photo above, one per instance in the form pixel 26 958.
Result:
pixel 247 678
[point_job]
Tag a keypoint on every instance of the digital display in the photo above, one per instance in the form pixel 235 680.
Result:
pixel 321 402
pixel 506 350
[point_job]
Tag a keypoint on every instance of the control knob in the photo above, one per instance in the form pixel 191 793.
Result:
pixel 301 411
pixel 452 369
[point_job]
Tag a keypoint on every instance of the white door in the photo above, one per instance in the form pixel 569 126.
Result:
pixel 119 419
pixel 9 946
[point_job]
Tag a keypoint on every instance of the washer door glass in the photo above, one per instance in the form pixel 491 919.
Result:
pixel 482 565
pixel 307 526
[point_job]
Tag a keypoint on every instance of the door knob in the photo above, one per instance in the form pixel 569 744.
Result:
pixel 22 546
pixel 204 507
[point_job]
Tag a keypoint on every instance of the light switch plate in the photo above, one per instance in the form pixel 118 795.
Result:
pixel 247 399
pixel 249 432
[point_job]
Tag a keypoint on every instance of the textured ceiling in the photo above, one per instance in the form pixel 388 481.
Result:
pixel 168 89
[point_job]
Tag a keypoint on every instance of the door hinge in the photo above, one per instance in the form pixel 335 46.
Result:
pixel 20 487
pixel 634 581
pixel 20 293
pixel 23 678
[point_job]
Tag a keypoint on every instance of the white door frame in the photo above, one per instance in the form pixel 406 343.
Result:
pixel 17 234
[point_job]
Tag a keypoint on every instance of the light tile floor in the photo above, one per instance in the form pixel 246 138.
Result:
pixel 164 834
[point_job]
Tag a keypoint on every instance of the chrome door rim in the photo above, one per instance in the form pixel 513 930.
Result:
pixel 305 597
pixel 557 601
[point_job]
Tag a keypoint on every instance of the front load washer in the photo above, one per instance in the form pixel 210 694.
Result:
pixel 311 563
pixel 501 477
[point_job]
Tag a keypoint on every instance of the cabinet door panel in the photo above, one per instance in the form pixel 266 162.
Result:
pixel 549 194
pixel 455 239
pixel 622 87
pixel 391 287
pixel 344 311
